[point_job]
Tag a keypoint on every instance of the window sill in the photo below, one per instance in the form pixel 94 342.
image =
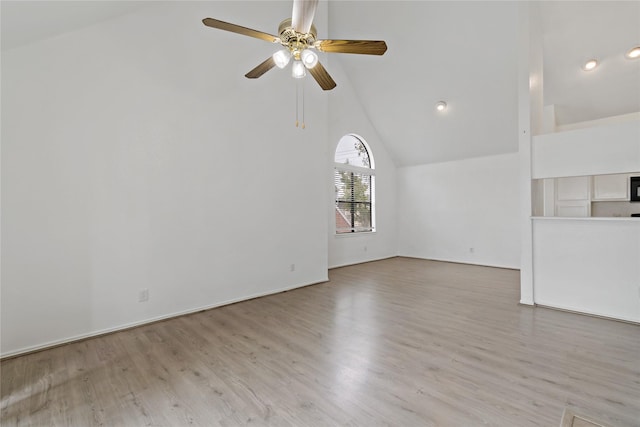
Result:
pixel 359 233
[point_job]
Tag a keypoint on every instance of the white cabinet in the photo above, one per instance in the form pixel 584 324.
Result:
pixel 611 187
pixel 572 197
pixel 572 188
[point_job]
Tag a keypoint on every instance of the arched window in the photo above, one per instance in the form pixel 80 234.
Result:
pixel 353 180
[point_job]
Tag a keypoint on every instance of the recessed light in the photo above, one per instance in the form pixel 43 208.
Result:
pixel 634 53
pixel 590 65
pixel 441 106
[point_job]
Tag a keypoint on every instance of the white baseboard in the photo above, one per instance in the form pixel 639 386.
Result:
pixel 578 310
pixel 506 267
pixel 362 262
pixel 93 334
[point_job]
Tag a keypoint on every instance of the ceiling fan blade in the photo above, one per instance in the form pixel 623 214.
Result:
pixel 261 69
pixel 322 77
pixel 302 15
pixel 221 25
pixel 364 47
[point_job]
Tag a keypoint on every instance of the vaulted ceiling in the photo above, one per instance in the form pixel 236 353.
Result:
pixel 574 32
pixel 464 53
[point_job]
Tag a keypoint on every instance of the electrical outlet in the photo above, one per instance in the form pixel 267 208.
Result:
pixel 472 250
pixel 143 295
pixel 292 267
pixel 365 249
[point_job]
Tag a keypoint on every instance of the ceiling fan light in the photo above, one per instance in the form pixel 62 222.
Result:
pixel 297 70
pixel 281 58
pixel 309 58
pixel 633 53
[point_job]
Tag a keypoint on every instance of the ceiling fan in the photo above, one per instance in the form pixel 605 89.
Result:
pixel 299 37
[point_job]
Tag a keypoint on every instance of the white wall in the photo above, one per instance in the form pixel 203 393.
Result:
pixel 588 265
pixel 346 115
pixel 623 118
pixel 530 122
pixel 604 149
pixel 447 208
pixel 133 158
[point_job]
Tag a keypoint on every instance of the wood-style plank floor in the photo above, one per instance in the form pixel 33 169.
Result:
pixel 401 342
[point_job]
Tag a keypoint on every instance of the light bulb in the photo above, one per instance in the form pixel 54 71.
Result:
pixel 441 106
pixel 634 53
pixel 309 58
pixel 281 58
pixel 297 69
pixel 590 65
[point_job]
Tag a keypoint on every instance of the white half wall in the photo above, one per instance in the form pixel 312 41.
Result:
pixel 346 116
pixel 463 211
pixel 134 158
pixel 590 265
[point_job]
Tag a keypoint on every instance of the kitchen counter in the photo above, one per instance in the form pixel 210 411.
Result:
pixel 589 218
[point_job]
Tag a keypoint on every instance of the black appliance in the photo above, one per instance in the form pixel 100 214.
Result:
pixel 635 189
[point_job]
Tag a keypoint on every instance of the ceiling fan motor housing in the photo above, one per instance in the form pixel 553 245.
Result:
pixel 296 42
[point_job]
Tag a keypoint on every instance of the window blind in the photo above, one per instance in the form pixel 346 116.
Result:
pixel 353 201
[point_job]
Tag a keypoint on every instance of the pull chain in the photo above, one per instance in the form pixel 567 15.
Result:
pixel 302 84
pixel 297 84
pixel 299 95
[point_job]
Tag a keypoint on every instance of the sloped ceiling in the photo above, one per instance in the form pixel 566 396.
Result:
pixel 24 22
pixel 464 53
pixel 461 52
pixel 577 31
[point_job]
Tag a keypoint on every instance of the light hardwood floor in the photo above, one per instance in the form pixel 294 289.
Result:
pixel 401 342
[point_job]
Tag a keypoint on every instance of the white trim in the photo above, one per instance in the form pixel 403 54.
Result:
pixel 80 337
pixel 585 218
pixel 581 311
pixel 506 267
pixel 347 264
pixel 355 233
